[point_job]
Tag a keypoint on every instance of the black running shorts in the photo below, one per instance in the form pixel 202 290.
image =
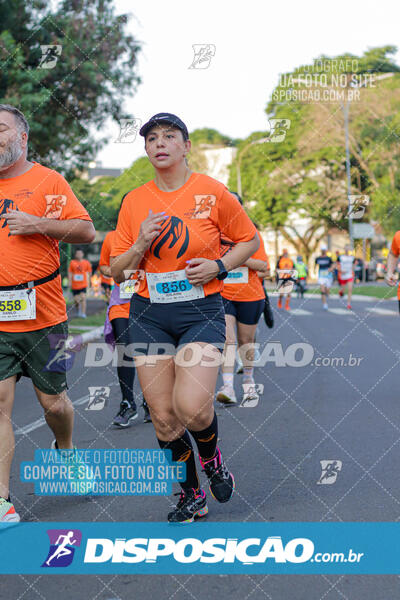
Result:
pixel 177 323
pixel 248 313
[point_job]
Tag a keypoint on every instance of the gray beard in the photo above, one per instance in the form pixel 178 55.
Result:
pixel 10 155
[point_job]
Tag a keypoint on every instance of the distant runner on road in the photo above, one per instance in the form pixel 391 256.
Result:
pixel 345 264
pixel 325 275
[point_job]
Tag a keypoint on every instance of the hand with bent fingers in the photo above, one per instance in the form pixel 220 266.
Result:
pixel 391 280
pixel 150 228
pixel 201 270
pixel 22 223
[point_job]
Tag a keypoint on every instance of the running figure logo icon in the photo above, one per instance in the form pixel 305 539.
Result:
pixel 54 205
pixel 357 205
pixel 49 56
pixel 286 280
pixel 204 204
pixel 251 394
pixel 278 130
pixel 98 398
pixel 330 471
pixel 62 547
pixel 128 130
pixel 203 54
pixel 61 356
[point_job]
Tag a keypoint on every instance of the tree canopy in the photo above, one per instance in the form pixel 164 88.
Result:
pixel 93 67
pixel 298 186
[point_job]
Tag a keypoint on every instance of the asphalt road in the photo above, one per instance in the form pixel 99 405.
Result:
pixel 325 410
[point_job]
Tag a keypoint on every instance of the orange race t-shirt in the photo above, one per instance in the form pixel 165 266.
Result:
pixel 79 270
pixel 44 193
pixel 118 311
pixel 196 216
pixel 285 264
pixel 245 292
pixel 105 258
pixel 395 249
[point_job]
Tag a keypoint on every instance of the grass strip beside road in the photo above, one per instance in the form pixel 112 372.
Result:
pixel 92 321
pixel 375 291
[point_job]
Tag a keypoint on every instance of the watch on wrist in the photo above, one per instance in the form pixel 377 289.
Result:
pixel 223 273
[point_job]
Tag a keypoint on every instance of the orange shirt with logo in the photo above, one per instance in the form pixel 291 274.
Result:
pixel 44 193
pixel 246 292
pixel 395 249
pixel 196 216
pixel 119 311
pixel 79 270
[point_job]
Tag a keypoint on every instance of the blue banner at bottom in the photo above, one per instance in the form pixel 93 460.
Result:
pixel 212 548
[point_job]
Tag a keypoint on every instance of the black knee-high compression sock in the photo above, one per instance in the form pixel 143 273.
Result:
pixel 182 451
pixel 207 439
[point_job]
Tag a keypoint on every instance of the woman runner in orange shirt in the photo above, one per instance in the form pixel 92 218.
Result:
pixel 171 228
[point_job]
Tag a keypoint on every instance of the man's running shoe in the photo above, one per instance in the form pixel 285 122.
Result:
pixel 192 505
pixel 325 306
pixel 80 474
pixel 341 292
pixel 226 395
pixel 7 512
pixel 239 369
pixel 287 306
pixel 125 415
pixel 147 417
pixel 349 306
pixel 222 483
pixel 280 303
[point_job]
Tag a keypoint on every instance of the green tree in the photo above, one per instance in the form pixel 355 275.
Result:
pixel 210 136
pixel 92 76
pixel 298 186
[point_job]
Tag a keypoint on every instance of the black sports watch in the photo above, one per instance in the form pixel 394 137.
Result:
pixel 223 273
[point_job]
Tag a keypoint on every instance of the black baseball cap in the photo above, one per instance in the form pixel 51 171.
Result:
pixel 164 118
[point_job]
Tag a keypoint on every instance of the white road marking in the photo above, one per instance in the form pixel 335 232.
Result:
pixel 382 311
pixel 339 311
pixel 300 312
pixel 40 422
pixel 376 332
